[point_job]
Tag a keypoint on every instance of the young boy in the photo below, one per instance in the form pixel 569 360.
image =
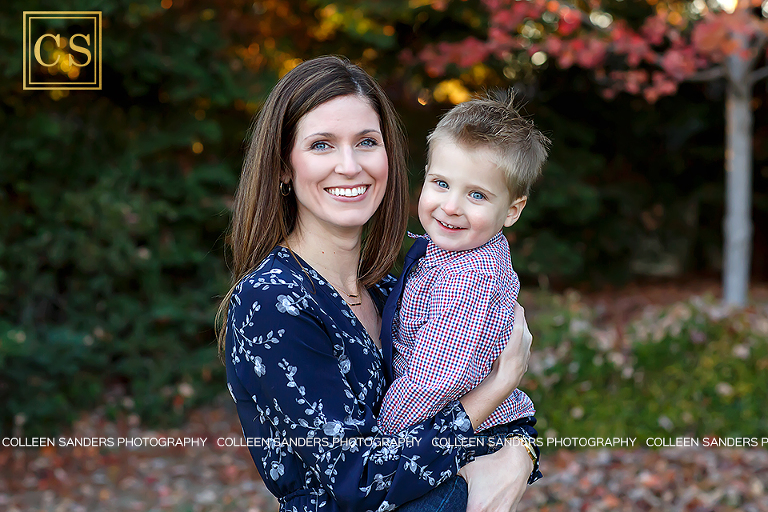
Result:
pixel 456 312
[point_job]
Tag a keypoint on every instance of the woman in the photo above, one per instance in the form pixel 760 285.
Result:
pixel 319 215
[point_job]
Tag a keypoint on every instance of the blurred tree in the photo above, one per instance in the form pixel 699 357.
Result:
pixel 114 203
pixel 645 50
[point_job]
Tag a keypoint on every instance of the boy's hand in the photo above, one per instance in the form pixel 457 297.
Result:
pixel 512 363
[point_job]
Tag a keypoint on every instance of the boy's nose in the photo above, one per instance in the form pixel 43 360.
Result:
pixel 451 206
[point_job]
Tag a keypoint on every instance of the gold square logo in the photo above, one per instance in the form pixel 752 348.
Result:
pixel 62 50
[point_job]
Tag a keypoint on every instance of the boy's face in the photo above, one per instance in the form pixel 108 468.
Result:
pixel 465 201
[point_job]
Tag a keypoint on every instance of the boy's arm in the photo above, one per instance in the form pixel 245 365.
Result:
pixel 452 350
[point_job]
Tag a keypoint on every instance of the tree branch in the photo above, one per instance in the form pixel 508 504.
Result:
pixel 758 47
pixel 707 75
pixel 762 38
pixel 758 74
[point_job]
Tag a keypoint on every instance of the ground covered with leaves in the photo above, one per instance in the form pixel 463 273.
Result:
pixel 654 364
pixel 213 478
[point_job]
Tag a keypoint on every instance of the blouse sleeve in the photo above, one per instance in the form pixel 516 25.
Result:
pixel 283 354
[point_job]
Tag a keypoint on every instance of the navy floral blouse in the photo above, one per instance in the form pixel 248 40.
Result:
pixel 308 383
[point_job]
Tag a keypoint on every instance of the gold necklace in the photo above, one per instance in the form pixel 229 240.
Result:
pixel 351 296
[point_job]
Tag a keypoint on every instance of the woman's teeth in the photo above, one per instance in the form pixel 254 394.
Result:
pixel 449 226
pixel 347 192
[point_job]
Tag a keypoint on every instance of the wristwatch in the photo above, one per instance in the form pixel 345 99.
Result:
pixel 532 453
pixel 528 446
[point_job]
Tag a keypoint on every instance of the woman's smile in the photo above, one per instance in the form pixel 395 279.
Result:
pixel 348 192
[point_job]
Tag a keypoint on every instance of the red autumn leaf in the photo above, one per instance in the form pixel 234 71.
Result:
pixel 569 22
pixel 709 35
pixel 500 42
pixel 679 64
pixel 627 42
pixel 653 29
pixel 470 52
pixel 592 54
pixel 651 94
pixel 553 45
pixel 566 59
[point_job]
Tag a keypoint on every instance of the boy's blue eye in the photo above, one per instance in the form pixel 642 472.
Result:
pixel 477 195
pixel 441 184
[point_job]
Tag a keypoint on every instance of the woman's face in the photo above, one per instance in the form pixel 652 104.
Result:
pixel 339 165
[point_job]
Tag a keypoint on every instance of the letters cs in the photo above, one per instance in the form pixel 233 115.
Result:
pixel 75 47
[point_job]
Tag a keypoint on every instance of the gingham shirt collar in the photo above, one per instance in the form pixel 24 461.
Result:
pixel 437 256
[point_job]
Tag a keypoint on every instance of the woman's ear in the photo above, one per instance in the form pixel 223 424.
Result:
pixel 515 209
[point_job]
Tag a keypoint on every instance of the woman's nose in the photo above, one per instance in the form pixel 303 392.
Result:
pixel 348 165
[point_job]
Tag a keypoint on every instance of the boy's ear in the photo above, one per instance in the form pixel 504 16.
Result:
pixel 515 209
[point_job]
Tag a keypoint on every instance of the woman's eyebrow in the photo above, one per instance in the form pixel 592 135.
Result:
pixel 331 135
pixel 319 134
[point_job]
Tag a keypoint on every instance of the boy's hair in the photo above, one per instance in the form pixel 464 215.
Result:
pixel 492 122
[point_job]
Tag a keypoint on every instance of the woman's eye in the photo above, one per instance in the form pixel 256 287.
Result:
pixel 477 196
pixel 319 145
pixel 369 143
pixel 441 184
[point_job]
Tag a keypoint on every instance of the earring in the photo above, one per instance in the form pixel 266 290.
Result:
pixel 285 188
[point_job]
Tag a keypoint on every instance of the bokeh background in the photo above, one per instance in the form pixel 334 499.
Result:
pixel 113 206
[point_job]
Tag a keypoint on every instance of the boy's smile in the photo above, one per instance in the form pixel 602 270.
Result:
pixel 465 200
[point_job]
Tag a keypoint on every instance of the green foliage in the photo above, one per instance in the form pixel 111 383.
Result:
pixel 692 369
pixel 113 204
pixel 58 377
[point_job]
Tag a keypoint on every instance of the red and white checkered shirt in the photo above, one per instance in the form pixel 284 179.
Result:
pixel 455 318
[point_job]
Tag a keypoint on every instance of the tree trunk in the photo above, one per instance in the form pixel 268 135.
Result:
pixel 737 225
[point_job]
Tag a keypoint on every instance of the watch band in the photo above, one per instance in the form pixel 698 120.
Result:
pixel 528 446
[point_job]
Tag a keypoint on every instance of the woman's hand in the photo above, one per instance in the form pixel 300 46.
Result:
pixel 513 360
pixel 496 482
pixel 507 371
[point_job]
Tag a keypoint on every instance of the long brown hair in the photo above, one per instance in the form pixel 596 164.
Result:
pixel 262 217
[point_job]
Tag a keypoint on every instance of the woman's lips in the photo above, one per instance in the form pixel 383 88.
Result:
pixel 348 192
